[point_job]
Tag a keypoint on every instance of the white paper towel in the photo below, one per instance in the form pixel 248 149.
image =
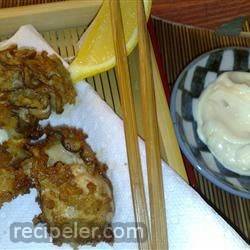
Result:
pixel 192 224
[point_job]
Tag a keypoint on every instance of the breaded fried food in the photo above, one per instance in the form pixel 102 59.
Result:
pixel 17 152
pixel 7 119
pixel 32 85
pixel 67 145
pixel 13 180
pixel 74 191
pixel 74 200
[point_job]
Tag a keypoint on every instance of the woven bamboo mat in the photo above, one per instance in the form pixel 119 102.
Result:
pixel 179 45
pixel 176 55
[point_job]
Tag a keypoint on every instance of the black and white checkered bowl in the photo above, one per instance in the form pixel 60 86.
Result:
pixel 188 87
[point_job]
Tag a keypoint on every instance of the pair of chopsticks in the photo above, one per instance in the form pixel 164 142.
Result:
pixel 157 228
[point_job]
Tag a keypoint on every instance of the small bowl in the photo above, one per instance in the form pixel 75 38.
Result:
pixel 188 87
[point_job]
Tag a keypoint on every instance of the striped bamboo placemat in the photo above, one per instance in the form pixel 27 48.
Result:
pixel 179 45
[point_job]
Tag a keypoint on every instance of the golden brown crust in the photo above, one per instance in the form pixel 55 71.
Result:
pixel 13 183
pixel 32 85
pixel 74 191
pixel 73 195
pixel 72 199
pixel 13 180
pixel 68 145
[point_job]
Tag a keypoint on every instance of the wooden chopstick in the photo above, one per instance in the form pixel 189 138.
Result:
pixel 166 127
pixel 128 110
pixel 151 135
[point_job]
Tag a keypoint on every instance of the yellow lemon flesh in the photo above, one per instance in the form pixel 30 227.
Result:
pixel 96 53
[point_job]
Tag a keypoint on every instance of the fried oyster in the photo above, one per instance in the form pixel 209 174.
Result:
pixel 32 85
pixel 74 192
pixel 72 198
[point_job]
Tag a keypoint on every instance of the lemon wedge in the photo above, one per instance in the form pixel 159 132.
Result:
pixel 96 53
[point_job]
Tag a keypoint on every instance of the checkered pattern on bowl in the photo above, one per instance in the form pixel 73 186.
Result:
pixel 188 87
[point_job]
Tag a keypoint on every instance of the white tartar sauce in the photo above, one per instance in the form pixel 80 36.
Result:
pixel 223 118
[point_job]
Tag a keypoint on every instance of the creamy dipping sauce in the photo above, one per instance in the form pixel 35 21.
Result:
pixel 223 118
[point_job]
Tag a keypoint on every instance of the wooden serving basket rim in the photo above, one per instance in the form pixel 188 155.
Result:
pixel 49 16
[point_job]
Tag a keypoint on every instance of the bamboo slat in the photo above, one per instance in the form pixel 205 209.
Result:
pixel 167 133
